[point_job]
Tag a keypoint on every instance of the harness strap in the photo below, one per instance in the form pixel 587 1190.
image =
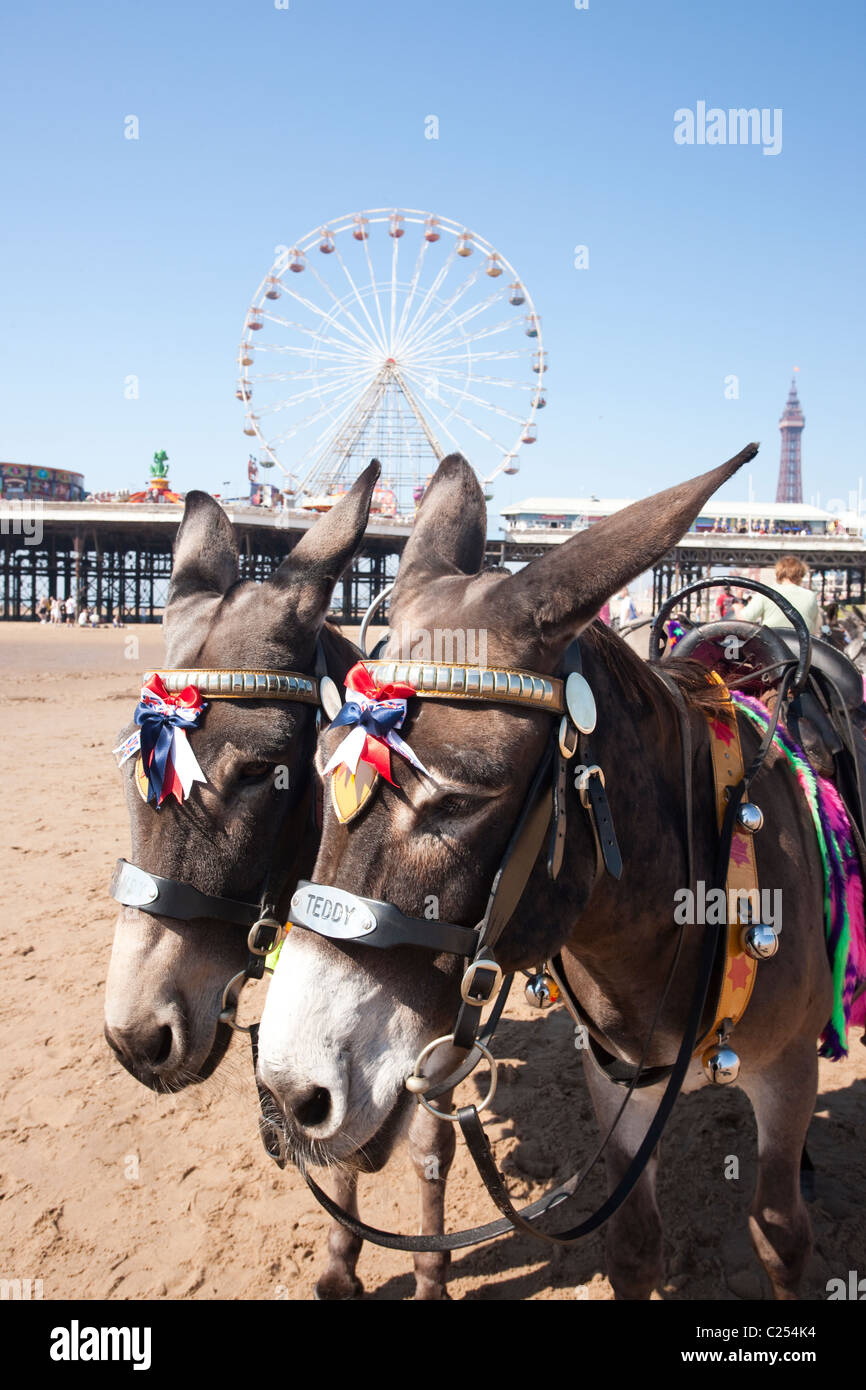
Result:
pixel 479 1147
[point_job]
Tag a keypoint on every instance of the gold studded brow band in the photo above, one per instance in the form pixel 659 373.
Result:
pixel 503 686
pixel 243 685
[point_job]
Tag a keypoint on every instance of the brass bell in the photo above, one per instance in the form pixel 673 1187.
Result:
pixel 541 990
pixel 721 1064
pixel 760 942
pixel 750 817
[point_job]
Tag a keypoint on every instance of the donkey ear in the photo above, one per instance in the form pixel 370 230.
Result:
pixel 205 565
pixel 205 550
pixel 313 568
pixel 450 529
pixel 565 588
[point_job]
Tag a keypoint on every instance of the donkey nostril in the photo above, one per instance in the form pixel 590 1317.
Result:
pixel 314 1109
pixel 160 1048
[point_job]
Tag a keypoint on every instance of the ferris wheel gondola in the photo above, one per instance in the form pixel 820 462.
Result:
pixel 407 338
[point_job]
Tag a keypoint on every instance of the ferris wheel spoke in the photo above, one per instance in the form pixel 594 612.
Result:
pixel 484 380
pixel 377 339
pixel 432 338
pixel 478 429
pixel 368 340
pixel 304 330
pixel 289 350
pixel 413 287
pixel 361 338
pixel 314 393
pixel 313 418
pixel 423 330
pixel 430 296
pixel 466 395
pixel 463 339
pixel 393 296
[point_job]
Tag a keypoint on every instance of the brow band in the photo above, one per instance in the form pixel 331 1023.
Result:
pixel 243 685
pixel 502 686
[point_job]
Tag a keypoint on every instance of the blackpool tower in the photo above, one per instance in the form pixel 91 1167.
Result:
pixel 791 425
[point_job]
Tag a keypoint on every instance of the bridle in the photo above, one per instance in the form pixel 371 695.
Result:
pixel 543 816
pixel 168 897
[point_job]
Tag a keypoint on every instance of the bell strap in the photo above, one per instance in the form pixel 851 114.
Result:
pixel 739 969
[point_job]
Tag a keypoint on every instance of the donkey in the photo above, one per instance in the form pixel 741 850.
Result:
pixel 343 1023
pixel 166 977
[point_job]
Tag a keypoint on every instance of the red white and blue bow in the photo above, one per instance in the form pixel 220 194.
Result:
pixel 168 760
pixel 376 712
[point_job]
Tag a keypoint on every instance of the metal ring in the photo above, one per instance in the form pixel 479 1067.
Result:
pixel 228 1012
pixel 486 1054
pixel 365 621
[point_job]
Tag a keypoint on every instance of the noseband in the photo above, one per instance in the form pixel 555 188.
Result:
pixel 132 886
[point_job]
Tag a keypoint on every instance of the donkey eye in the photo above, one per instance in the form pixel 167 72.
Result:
pixel 454 805
pixel 254 772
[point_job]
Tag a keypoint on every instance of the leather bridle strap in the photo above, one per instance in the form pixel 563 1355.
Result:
pixel 167 897
pixel 479 1147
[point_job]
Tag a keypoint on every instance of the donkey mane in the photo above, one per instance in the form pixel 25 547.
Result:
pixel 640 681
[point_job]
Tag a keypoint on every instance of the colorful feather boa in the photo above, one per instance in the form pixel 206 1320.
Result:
pixel 843 885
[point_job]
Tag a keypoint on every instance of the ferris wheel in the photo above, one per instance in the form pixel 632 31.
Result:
pixel 396 334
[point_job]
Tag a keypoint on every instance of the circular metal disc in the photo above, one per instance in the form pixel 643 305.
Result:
pixel 580 702
pixel 330 697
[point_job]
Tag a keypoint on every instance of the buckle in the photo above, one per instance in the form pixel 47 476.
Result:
pixel 568 737
pixel 480 991
pixel 258 945
pixel 581 781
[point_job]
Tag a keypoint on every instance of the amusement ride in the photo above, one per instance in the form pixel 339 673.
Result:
pixel 391 333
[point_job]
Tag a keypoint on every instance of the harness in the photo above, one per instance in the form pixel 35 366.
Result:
pixel 168 897
pixel 542 819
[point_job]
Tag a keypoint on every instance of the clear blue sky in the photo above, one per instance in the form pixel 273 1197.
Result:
pixel 140 257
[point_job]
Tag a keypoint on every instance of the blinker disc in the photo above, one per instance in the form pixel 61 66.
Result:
pixel 330 697
pixel 580 702
pixel 350 792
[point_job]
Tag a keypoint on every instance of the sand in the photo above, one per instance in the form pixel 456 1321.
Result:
pixel 109 1191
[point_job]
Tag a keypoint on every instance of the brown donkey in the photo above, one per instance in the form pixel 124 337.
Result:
pixel 166 978
pixel 344 1023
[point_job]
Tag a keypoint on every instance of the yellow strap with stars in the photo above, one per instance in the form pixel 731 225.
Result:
pixel 740 969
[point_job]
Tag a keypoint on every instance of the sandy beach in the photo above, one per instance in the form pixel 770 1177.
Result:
pixel 110 1191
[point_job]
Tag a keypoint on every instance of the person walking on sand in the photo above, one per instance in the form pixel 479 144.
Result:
pixel 56 612
pixel 70 611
